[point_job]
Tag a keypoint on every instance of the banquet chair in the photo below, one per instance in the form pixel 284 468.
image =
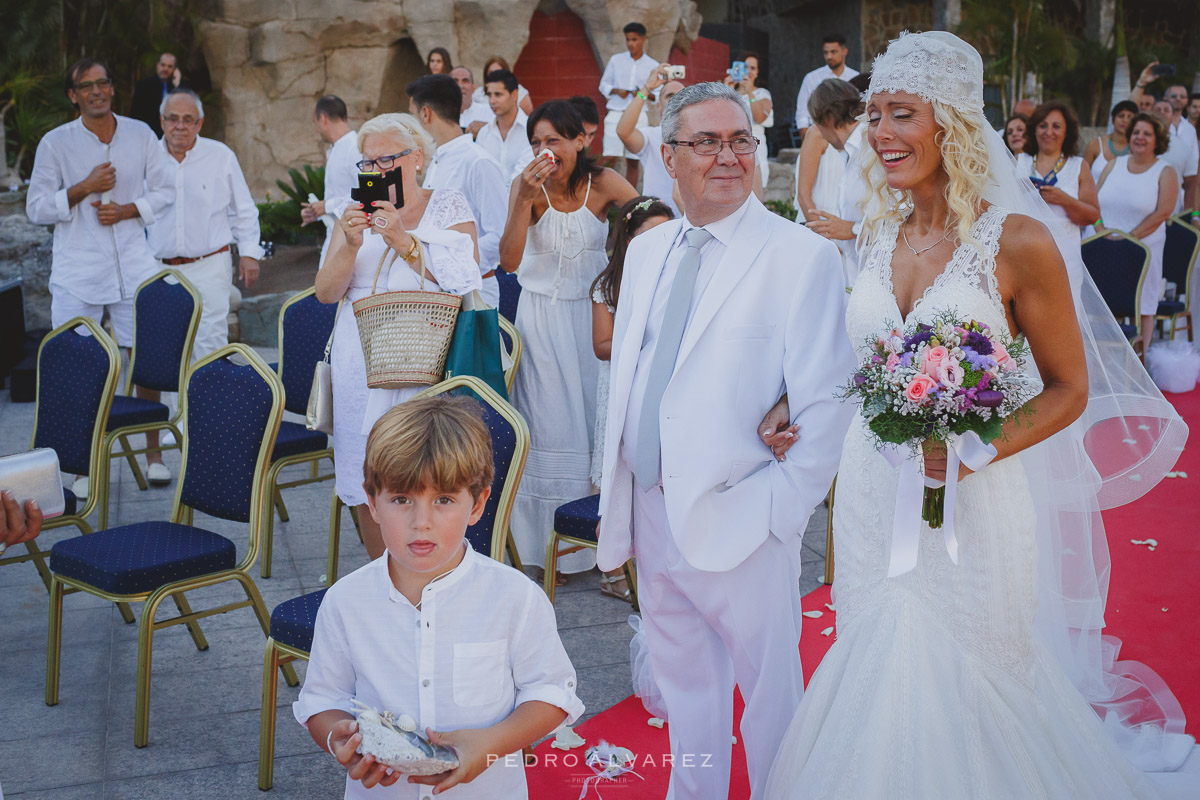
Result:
pixel 77 372
pixel 166 314
pixel 575 526
pixel 293 621
pixel 231 415
pixel 511 340
pixel 1179 262
pixel 1118 263
pixel 305 324
pixel 510 294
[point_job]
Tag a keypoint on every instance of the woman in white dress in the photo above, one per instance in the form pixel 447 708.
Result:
pixel 634 218
pixel 361 243
pixel 554 240
pixel 1137 195
pixel 762 110
pixel 1050 163
pixel 938 685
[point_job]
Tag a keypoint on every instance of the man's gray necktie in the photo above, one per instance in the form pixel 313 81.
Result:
pixel 670 335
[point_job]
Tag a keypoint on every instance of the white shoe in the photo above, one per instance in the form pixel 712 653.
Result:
pixel 158 474
pixel 80 488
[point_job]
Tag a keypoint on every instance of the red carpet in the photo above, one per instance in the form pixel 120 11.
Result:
pixel 1153 606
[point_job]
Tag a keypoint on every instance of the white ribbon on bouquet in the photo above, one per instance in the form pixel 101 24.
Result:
pixel 967 449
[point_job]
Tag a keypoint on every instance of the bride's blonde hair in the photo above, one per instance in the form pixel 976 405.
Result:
pixel 961 140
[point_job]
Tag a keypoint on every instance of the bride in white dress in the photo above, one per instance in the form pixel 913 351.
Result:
pixel 941 683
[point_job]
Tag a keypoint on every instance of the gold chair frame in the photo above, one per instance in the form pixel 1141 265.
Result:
pixel 280 656
pixel 127 451
pixel 550 576
pixel 1140 349
pixel 259 508
pixel 98 467
pixel 313 458
pixel 510 374
pixel 1183 219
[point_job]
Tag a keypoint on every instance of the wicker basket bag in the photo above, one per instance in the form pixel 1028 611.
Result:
pixel 405 335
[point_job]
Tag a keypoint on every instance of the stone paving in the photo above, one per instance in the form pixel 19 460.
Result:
pixel 204 708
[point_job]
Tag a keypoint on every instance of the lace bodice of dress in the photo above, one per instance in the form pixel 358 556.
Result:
pixel 447 207
pixel 967 286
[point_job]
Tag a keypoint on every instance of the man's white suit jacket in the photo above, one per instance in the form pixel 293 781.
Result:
pixel 770 320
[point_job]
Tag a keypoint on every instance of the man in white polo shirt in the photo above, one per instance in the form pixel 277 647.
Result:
pixel 646 140
pixel 623 76
pixel 505 137
pixel 833 50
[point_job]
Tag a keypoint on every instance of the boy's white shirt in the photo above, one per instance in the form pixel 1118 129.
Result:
pixel 484 641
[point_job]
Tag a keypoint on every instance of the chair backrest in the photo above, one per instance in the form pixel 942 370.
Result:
pixel 76 382
pixel 510 294
pixel 231 417
pixel 1179 254
pixel 510 447
pixel 305 324
pixel 511 340
pixel 166 314
pixel 1117 263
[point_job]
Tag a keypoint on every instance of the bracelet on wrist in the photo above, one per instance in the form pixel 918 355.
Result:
pixel 1098 223
pixel 641 95
pixel 328 742
pixel 415 244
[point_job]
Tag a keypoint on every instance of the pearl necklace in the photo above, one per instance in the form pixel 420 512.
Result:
pixel 917 252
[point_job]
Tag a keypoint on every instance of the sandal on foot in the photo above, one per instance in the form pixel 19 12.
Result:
pixel 607 588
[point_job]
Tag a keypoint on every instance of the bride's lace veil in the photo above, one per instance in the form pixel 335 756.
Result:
pixel 1121 447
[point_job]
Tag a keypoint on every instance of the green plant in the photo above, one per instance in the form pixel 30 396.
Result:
pixel 311 181
pixel 279 221
pixel 783 208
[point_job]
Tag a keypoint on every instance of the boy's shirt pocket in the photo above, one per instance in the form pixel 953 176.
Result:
pixel 481 673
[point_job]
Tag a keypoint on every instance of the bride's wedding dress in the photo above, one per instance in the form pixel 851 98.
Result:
pixel 937 686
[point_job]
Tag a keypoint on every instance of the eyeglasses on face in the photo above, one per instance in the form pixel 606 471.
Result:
pixel 381 163
pixel 86 86
pixel 175 119
pixel 710 146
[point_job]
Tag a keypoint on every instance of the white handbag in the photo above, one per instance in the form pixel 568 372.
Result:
pixel 319 415
pixel 34 476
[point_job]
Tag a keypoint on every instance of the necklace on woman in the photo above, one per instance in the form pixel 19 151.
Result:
pixel 914 250
pixel 1122 152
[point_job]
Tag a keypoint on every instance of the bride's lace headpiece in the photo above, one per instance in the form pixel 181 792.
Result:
pixel 935 65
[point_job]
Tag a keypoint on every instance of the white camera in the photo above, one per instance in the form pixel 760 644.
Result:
pixel 676 73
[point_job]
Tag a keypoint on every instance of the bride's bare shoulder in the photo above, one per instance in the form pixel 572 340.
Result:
pixel 1025 238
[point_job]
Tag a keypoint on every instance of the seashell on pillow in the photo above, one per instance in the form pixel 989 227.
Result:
pixel 396 743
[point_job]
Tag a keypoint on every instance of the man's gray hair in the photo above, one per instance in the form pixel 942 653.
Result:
pixel 690 96
pixel 162 107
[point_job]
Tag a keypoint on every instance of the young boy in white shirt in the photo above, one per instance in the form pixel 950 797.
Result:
pixel 465 645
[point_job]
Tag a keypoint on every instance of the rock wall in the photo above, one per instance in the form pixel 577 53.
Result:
pixel 26 251
pixel 271 61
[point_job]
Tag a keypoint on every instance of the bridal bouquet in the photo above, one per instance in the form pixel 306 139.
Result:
pixel 942 381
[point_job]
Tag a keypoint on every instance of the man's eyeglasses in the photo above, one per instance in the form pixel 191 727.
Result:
pixel 175 119
pixel 381 163
pixel 709 146
pixel 86 86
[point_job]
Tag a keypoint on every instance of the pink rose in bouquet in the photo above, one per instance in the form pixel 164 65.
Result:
pixel 934 358
pixel 919 387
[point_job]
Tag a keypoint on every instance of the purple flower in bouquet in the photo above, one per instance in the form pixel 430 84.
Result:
pixel 979 361
pixel 979 343
pixel 989 399
pixel 922 334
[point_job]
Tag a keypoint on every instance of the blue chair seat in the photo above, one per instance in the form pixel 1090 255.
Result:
pixel 1168 307
pixel 1130 331
pixel 128 411
pixel 294 439
pixel 578 518
pixel 138 558
pixel 292 621
pixel 70 502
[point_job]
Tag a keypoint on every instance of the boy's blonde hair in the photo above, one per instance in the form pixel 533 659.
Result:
pixel 440 442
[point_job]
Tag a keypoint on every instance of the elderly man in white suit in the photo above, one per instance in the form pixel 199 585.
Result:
pixel 721 312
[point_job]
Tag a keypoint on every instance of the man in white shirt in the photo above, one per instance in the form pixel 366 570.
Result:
pixel 213 208
pixel 715 318
pixel 646 140
pixel 1183 152
pixel 505 137
pixel 833 50
pixel 472 115
pixel 341 170
pixel 99 180
pixel 623 76
pixel 460 163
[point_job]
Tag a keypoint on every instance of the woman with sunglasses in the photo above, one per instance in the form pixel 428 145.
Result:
pixel 421 230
